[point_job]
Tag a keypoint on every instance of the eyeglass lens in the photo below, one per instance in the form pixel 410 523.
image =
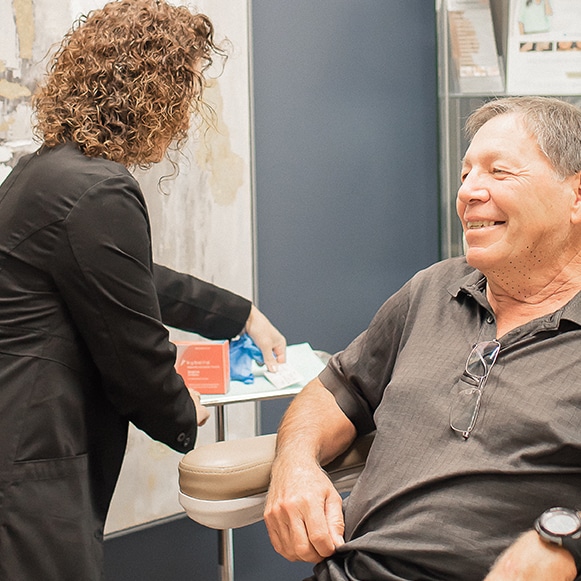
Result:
pixel 481 359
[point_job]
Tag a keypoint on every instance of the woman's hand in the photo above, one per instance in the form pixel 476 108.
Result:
pixel 267 337
pixel 202 412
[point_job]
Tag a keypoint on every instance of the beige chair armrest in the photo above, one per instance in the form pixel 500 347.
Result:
pixel 240 468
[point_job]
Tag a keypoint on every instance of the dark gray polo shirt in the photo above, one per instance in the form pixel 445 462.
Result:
pixel 431 505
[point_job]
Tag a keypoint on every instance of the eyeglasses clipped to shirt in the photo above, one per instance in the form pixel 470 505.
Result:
pixel 466 403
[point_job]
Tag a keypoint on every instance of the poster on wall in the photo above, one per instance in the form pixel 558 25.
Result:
pixel 473 46
pixel 201 216
pixel 544 47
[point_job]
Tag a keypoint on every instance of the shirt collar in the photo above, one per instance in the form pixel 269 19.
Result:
pixel 572 310
pixel 474 283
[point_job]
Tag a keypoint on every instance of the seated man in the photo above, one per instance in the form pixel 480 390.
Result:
pixel 470 376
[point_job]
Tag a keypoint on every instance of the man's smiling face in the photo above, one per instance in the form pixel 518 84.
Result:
pixel 515 211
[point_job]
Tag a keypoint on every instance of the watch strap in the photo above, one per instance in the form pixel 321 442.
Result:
pixel 573 545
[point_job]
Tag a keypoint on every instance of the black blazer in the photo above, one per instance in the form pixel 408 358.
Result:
pixel 83 351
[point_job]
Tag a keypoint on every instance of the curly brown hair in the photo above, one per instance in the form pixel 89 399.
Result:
pixel 125 81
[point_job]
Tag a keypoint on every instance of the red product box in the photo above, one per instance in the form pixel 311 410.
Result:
pixel 204 365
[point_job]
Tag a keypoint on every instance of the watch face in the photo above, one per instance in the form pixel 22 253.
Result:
pixel 561 522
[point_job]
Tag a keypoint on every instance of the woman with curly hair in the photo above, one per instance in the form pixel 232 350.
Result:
pixel 83 346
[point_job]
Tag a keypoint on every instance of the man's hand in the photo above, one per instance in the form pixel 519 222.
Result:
pixel 303 514
pixel 531 559
pixel 304 511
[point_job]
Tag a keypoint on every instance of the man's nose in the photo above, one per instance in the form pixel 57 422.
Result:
pixel 473 189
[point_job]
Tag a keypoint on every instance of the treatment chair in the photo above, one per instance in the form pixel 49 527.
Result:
pixel 223 485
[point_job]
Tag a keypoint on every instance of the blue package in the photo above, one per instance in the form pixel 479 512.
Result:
pixel 243 352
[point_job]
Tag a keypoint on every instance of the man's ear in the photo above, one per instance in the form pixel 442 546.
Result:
pixel 576 207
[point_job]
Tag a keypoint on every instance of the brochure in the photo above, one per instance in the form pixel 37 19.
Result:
pixel 473 47
pixel 544 47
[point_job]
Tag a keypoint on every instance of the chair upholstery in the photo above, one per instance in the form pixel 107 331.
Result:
pixel 223 485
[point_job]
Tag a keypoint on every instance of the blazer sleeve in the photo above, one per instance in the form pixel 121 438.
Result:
pixel 102 266
pixel 198 306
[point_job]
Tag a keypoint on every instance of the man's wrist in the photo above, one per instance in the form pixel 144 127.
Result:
pixel 574 547
pixel 562 527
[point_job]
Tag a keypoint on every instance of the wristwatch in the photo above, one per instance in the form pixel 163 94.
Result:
pixel 562 526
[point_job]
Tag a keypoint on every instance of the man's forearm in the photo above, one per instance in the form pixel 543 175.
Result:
pixel 314 426
pixel 303 512
pixel 531 559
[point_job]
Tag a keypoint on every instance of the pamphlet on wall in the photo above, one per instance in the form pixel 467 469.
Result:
pixel 473 47
pixel 544 47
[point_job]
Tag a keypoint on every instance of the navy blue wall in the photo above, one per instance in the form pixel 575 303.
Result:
pixel 345 100
pixel 346 175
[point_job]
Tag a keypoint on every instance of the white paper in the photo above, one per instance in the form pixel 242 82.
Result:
pixel 285 376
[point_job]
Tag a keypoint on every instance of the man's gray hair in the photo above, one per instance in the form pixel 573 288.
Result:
pixel 554 123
